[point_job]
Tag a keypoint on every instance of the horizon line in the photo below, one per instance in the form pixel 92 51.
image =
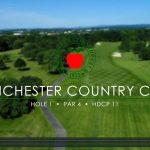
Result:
pixel 76 27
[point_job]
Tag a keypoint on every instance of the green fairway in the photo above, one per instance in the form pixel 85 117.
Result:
pixel 132 63
pixel 130 119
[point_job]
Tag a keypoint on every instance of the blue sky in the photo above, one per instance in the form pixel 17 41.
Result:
pixel 72 13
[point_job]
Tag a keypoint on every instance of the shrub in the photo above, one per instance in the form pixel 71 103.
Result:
pixel 29 80
pixel 2 65
pixel 138 47
pixel 18 43
pixel 20 64
pixel 145 53
pixel 15 106
pixel 5 58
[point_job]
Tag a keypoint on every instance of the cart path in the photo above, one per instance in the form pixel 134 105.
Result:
pixel 59 129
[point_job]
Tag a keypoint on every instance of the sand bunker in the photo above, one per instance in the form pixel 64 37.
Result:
pixel 98 44
pixel 117 55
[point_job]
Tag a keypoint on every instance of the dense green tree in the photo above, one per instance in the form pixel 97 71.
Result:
pixel 18 43
pixel 29 80
pixel 26 105
pixel 9 81
pixel 5 57
pixel 40 58
pixel 2 65
pixel 15 106
pixel 5 108
pixel 138 47
pixel 4 46
pixel 145 53
pixel 31 50
pixel 57 63
pixel 125 45
pixel 20 64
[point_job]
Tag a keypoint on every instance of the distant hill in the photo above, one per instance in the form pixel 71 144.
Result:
pixel 100 27
pixel 136 26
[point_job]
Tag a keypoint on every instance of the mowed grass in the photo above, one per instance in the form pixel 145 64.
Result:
pixel 37 70
pixel 131 62
pixel 130 119
pixel 34 124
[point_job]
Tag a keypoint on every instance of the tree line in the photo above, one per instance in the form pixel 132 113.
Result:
pixel 138 43
pixel 52 50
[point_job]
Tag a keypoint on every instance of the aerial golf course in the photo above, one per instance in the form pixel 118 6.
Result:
pixel 129 119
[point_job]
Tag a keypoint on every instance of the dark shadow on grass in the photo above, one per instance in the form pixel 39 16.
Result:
pixel 57 72
pixel 4 68
pixel 24 69
pixel 54 72
pixel 31 59
pixel 8 61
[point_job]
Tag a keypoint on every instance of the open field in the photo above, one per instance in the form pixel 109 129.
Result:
pixel 130 119
pixel 35 69
pixel 34 124
pixel 132 63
